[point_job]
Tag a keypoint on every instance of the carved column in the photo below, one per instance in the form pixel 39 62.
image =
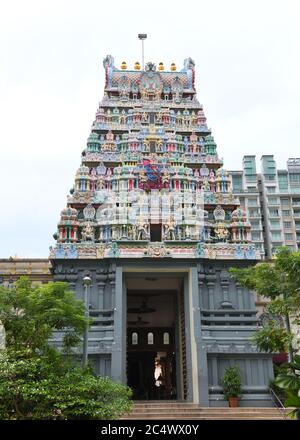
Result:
pixel 239 293
pixel 224 281
pixel 210 282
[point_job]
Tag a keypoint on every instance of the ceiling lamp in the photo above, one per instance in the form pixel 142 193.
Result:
pixel 139 321
pixel 142 309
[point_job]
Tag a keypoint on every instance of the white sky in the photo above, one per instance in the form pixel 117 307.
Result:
pixel 247 56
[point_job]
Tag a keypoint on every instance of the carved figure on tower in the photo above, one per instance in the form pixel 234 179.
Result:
pixel 170 229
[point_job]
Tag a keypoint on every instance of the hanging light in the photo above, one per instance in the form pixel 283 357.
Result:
pixel 142 309
pixel 139 321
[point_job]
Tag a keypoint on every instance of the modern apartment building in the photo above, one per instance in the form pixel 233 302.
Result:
pixel 272 200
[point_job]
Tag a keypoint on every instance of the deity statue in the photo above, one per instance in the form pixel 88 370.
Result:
pixel 221 232
pixel 165 178
pixel 142 229
pixel 88 233
pixel 205 186
pixel 169 229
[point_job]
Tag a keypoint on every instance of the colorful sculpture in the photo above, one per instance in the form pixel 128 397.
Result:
pixel 151 162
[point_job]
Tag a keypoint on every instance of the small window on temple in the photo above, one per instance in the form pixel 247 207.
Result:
pixel 166 338
pixel 135 96
pixel 166 98
pixel 155 232
pixel 150 338
pixel 134 338
pixel 152 146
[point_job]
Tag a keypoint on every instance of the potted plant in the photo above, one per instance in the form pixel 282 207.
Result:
pixel 231 382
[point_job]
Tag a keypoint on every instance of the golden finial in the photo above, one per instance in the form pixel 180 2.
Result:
pixel 137 66
pixel 173 67
pixel 124 65
pixel 161 66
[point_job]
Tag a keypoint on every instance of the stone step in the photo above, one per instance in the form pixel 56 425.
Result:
pixel 202 411
pixel 197 408
pixel 200 416
pixel 203 418
pixel 190 411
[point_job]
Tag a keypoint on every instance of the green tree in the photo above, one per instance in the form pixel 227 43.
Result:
pixel 289 380
pixel 30 314
pixel 279 281
pixel 36 380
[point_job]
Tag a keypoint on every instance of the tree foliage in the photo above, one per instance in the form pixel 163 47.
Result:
pixel 30 314
pixel 36 380
pixel 50 387
pixel 289 380
pixel 279 281
pixel 272 338
pixel 231 382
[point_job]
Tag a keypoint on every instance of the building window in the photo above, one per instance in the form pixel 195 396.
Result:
pixel 287 225
pixel 252 202
pixel 271 189
pixel 272 200
pixel 295 179
pixel 166 338
pixel 289 236
pixel 291 247
pixel 253 213
pixel 274 223
pixel 252 189
pixel 274 212
pixel 134 338
pixel 254 224
pixel 286 213
pixel 255 236
pixel 150 338
pixel 282 182
pixel 285 202
pixel 276 235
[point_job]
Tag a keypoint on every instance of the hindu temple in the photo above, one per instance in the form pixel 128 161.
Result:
pixel 152 221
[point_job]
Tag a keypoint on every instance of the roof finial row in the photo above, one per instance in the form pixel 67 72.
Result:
pixel 137 66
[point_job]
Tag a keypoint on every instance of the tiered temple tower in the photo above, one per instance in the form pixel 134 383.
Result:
pixel 152 220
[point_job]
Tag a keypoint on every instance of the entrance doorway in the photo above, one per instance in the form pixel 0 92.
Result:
pixel 155 340
pixel 155 232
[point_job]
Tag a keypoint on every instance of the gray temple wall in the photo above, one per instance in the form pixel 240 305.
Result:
pixel 228 321
pixel 220 318
pixel 101 307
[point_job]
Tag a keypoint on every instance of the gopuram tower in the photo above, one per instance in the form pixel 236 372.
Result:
pixel 153 222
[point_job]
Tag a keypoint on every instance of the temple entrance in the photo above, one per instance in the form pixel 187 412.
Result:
pixel 155 232
pixel 155 340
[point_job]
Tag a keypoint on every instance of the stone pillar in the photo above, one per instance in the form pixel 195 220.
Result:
pixel 201 356
pixel 118 356
pixel 224 281
pixel 210 282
